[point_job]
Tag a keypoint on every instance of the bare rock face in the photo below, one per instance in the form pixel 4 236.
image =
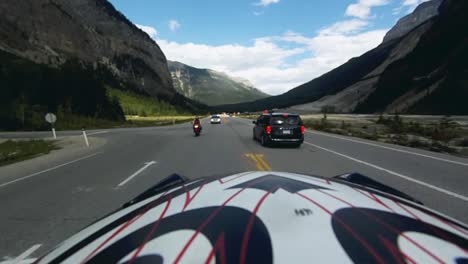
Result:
pixel 91 31
pixel 346 100
pixel 421 14
pixel 406 34
pixel 211 87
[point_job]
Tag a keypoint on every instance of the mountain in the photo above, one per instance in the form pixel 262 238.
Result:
pixel 327 84
pixel 50 47
pixel 433 77
pixel 421 71
pixel 421 14
pixel 54 31
pixel 211 87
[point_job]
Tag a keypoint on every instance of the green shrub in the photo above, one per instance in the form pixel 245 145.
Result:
pixel 143 105
pixel 438 147
pixel 13 151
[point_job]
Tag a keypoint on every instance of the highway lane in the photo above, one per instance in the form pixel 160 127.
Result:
pixel 49 207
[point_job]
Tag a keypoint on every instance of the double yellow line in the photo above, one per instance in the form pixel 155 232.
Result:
pixel 259 161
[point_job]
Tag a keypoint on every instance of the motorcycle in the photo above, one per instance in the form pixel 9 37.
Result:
pixel 197 129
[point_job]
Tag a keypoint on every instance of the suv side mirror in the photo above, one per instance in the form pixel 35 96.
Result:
pixel 254 122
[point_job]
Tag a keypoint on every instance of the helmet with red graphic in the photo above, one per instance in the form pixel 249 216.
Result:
pixel 265 217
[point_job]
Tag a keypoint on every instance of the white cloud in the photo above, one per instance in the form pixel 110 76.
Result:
pixel 173 25
pixel 276 64
pixel 151 31
pixel 410 5
pixel 265 63
pixel 362 9
pixel 345 27
pixel 266 2
pixel 258 13
pixel 407 6
pixel 228 58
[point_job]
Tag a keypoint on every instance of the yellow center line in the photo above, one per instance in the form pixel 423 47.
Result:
pixel 253 158
pixel 260 163
pixel 263 162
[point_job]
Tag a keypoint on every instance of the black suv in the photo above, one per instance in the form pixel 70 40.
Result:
pixel 279 128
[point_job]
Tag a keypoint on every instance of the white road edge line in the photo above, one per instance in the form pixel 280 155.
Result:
pixel 456 195
pixel 390 148
pixel 147 164
pixel 49 169
pixel 25 254
pixel 97 133
pixel 24 261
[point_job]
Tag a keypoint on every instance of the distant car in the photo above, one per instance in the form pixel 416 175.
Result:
pixel 281 128
pixel 215 119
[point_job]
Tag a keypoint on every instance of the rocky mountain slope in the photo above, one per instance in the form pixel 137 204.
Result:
pixel 348 97
pixel 329 83
pixel 92 31
pixel 211 87
pixel 433 77
pixel 61 56
pixel 422 71
pixel 421 14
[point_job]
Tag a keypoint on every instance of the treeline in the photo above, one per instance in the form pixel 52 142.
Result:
pixel 29 90
pixel 135 103
pixel 80 95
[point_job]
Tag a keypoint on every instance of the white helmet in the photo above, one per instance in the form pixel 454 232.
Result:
pixel 266 217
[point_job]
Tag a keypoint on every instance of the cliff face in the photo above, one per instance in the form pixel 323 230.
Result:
pixel 347 99
pixel 91 31
pixel 420 68
pixel 211 87
pixel 432 78
pixel 425 72
pixel 421 14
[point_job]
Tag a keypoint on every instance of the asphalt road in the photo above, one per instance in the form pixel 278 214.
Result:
pixel 46 203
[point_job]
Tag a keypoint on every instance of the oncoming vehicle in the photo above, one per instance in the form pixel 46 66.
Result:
pixel 279 128
pixel 215 119
pixel 268 217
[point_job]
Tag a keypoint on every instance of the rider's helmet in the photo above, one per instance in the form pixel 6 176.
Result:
pixel 265 217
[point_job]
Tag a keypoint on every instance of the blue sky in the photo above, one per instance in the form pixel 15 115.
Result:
pixel 276 44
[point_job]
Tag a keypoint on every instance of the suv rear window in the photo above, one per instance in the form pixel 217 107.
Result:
pixel 281 120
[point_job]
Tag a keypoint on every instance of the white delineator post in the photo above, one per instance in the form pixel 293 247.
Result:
pixel 85 138
pixel 51 118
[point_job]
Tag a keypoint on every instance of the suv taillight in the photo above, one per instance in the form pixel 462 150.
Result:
pixel 302 129
pixel 268 130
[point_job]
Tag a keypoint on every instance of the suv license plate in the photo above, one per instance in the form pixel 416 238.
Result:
pixel 286 132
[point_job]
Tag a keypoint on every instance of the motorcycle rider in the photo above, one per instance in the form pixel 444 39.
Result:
pixel 197 126
pixel 196 121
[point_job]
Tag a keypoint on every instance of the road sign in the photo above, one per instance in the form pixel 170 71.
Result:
pixel 50 118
